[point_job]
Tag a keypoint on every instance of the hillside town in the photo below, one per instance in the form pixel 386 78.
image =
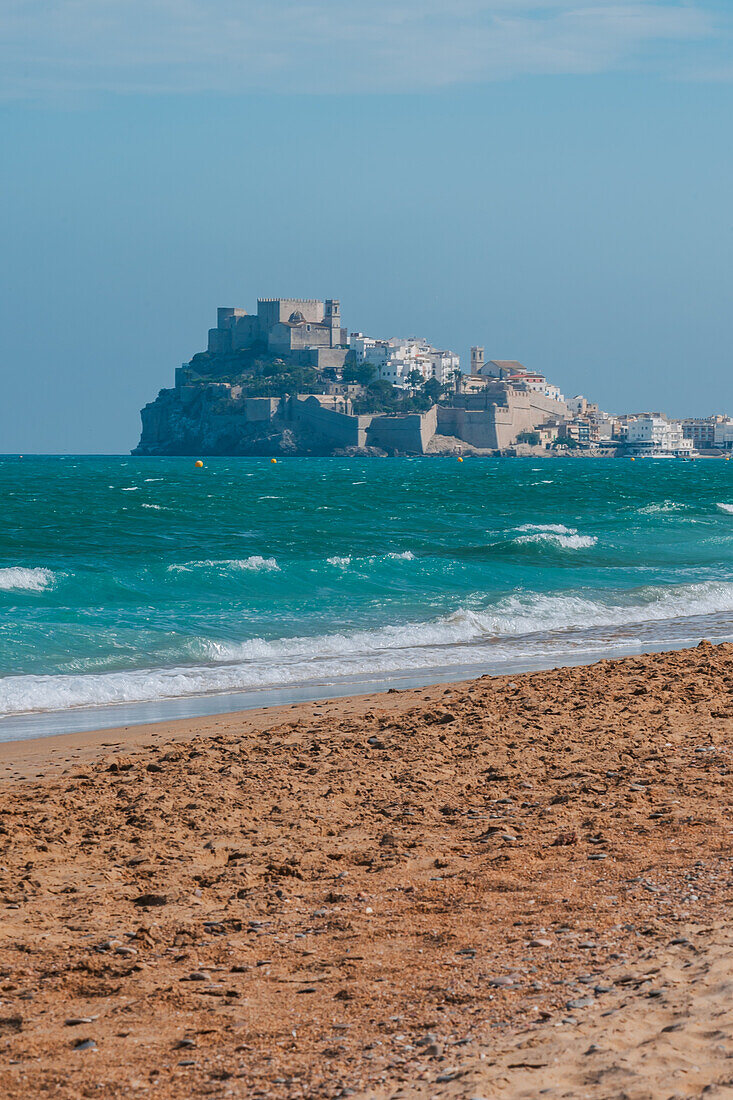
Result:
pixel 291 378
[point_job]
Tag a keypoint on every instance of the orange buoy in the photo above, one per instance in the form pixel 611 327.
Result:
pixel 198 463
pixel 459 460
pixel 273 460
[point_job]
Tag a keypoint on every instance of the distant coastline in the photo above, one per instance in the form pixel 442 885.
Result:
pixel 290 379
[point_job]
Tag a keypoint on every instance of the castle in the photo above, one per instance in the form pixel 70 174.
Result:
pixel 305 329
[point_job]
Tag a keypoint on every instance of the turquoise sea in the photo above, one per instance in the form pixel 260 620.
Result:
pixel 148 587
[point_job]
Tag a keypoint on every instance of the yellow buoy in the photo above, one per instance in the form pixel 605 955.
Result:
pixel 273 460
pixel 633 460
pixel 460 460
pixel 198 463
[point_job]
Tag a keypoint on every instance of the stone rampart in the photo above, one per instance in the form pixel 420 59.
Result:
pixel 335 428
pixel 410 433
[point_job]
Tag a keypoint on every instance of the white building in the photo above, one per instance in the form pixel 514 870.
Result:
pixel 539 384
pixel 655 435
pixel 724 435
pixel 395 360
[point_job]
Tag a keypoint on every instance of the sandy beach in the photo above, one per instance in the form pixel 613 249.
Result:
pixel 510 886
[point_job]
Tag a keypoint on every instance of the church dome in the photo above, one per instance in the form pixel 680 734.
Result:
pixel 296 318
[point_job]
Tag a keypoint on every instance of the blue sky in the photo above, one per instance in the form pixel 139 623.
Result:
pixel 551 180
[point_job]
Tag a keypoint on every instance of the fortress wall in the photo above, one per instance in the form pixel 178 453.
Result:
pixel 475 426
pixel 324 357
pixel 338 429
pixel 245 332
pixel 260 408
pixel 271 311
pixel 220 341
pixel 410 433
pixel 546 407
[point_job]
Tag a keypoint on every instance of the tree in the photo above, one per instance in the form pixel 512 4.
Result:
pixel 433 390
pixel 414 378
pixel 362 373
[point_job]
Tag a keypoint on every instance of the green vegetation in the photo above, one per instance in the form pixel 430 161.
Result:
pixel 261 375
pixel 258 375
pixel 382 397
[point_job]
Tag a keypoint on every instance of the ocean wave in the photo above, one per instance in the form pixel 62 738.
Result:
pixel 728 508
pixel 342 562
pixel 556 534
pixel 18 578
pixel 255 563
pixel 551 626
pixel 157 507
pixel 550 528
pixel 662 506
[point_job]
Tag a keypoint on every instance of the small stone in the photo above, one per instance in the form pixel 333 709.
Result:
pixel 501 983
pixel 150 899
pixel 184 1044
pixel 598 855
pixel 581 1002
pixel 74 1021
pixel 125 951
pixel 540 943
pixel 434 1050
pixel 197 976
pixel 84 1044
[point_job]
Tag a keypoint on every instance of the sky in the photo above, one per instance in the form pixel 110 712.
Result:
pixel 551 180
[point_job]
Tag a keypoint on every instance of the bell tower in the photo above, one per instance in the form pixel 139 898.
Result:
pixel 333 320
pixel 477 360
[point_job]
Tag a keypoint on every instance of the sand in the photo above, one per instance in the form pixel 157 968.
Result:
pixel 514 886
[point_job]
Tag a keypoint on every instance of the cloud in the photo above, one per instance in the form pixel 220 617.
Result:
pixel 88 46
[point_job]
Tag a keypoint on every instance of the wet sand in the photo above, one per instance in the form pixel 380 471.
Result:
pixel 506 886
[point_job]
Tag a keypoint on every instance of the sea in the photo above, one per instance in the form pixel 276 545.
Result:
pixel 139 589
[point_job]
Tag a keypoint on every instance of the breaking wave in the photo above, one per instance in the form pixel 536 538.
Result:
pixel 556 534
pixel 18 578
pixel 726 508
pixel 255 563
pixel 551 626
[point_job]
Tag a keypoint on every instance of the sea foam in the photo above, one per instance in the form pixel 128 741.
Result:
pixel 550 627
pixel 255 563
pixel 556 534
pixel 726 508
pixel 18 578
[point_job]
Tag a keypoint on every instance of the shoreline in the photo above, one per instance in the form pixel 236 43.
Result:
pixel 111 718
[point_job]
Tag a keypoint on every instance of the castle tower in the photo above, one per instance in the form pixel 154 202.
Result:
pixel 333 320
pixel 477 360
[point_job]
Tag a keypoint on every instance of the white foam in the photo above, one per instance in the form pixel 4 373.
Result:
pixel 567 542
pixel 550 528
pixel 661 506
pixel 18 578
pixel 545 627
pixel 342 562
pixel 157 507
pixel 406 555
pixel 129 489
pixel 728 508
pixel 255 563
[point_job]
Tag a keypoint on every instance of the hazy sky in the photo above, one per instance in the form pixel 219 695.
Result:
pixel 552 180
